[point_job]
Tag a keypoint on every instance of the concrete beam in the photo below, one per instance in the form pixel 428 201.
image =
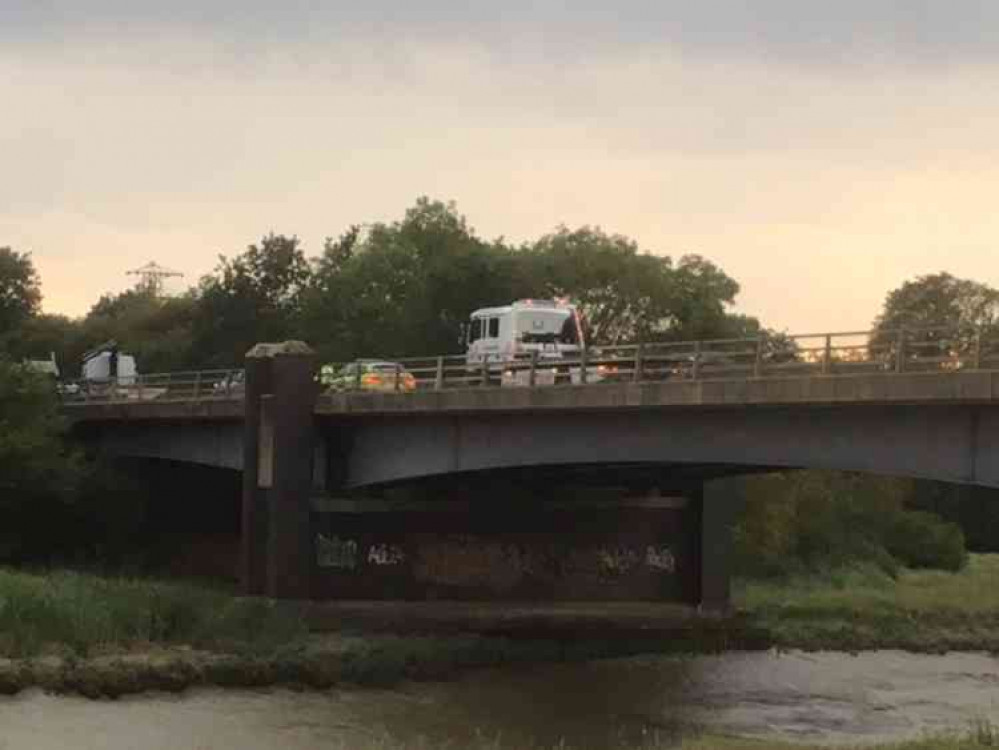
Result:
pixel 952 388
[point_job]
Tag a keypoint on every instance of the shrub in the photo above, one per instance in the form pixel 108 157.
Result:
pixel 813 521
pixel 38 473
pixel 922 540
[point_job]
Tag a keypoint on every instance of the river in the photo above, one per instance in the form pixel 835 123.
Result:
pixel 600 704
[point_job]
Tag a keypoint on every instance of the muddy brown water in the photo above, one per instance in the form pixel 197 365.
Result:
pixel 836 698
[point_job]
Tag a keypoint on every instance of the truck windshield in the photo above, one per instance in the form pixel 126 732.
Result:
pixel 547 327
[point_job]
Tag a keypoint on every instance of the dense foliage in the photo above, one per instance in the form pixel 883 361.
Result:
pixel 938 316
pixel 814 520
pixel 392 289
pixel 20 291
pixel 38 473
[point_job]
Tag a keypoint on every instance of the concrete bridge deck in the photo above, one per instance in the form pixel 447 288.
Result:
pixel 919 388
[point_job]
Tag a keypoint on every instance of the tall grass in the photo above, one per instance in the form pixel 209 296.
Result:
pixel 864 607
pixel 82 613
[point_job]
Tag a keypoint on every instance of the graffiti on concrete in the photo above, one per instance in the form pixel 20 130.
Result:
pixel 335 552
pixel 465 561
pixel 617 560
pixel 386 554
pixel 660 558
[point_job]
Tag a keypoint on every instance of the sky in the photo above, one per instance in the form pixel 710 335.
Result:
pixel 820 153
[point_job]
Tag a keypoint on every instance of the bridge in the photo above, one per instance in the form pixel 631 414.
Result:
pixel 670 423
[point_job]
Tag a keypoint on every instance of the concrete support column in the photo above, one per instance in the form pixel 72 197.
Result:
pixel 253 520
pixel 277 476
pixel 720 502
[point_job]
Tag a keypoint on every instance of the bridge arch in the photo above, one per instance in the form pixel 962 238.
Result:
pixel 955 444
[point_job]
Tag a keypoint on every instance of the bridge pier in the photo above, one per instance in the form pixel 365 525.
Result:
pixel 719 503
pixel 280 394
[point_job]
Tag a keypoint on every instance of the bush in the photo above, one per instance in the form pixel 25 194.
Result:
pixel 813 521
pixel 922 540
pixel 38 473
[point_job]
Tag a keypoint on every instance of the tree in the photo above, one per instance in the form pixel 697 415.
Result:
pixel 408 287
pixel 20 291
pixel 254 297
pixel 625 295
pixel 702 295
pixel 938 316
pixel 41 334
pixel 38 474
pixel 156 330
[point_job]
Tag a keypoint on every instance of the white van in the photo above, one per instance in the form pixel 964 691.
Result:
pixel 499 336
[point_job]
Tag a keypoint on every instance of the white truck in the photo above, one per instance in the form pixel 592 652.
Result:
pixel 502 341
pixel 108 372
pixel 106 364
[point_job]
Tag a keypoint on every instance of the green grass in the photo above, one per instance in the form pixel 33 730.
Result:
pixel 78 615
pixel 82 613
pixel 863 608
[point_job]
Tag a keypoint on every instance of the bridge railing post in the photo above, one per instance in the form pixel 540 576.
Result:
pixel 532 374
pixel 583 364
pixel 976 361
pixel 758 360
pixel 696 369
pixel 398 376
pixel 485 370
pixel 357 376
pixel 439 377
pixel 827 356
pixel 900 352
pixel 639 363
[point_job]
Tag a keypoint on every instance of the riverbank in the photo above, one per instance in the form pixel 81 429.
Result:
pixel 974 739
pixel 864 609
pixel 106 637
pixel 940 742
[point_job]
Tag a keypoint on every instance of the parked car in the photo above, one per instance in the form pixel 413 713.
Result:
pixel 706 366
pixel 367 375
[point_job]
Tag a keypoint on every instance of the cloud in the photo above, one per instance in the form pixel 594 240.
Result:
pixel 911 32
pixel 177 132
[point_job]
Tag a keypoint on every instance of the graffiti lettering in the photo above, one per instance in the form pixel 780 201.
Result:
pixel 464 561
pixel 617 560
pixel 336 553
pixel 386 554
pixel 660 559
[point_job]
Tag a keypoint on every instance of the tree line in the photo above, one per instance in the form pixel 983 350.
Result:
pixel 404 288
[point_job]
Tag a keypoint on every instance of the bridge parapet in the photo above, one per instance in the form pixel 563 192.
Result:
pixel 826 367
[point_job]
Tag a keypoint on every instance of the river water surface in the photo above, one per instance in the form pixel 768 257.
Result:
pixel 600 704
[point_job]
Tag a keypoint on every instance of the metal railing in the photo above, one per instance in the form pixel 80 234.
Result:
pixel 194 385
pixel 783 356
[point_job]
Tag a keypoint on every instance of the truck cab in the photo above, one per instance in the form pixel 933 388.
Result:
pixel 499 336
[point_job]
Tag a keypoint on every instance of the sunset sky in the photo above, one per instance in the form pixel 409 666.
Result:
pixel 821 153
